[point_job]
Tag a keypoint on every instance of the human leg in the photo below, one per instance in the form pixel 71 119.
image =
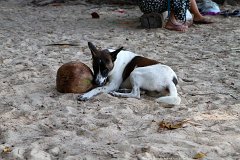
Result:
pixel 177 13
pixel 178 20
pixel 198 17
pixel 173 24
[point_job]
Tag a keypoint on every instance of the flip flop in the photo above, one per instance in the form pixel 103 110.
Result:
pixel 225 13
pixel 202 21
pixel 235 13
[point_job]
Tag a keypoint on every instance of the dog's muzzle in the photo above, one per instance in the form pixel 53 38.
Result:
pixel 100 81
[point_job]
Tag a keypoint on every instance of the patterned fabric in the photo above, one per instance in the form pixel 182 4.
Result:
pixel 178 6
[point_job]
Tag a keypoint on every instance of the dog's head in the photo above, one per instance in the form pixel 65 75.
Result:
pixel 103 63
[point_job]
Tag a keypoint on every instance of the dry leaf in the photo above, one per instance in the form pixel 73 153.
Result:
pixel 172 125
pixel 199 155
pixel 7 150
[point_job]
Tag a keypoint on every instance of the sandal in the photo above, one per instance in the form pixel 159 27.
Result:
pixel 226 13
pixel 235 13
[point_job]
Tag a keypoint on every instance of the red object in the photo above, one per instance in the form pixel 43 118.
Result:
pixel 95 15
pixel 121 11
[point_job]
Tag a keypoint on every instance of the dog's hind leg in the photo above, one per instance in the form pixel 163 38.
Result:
pixel 173 98
pixel 135 81
pixel 135 93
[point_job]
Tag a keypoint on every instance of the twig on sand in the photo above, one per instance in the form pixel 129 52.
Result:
pixel 203 58
pixel 62 44
pixel 233 97
pixel 195 94
pixel 187 80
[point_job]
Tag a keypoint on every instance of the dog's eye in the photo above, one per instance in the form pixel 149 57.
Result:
pixel 105 72
pixel 107 61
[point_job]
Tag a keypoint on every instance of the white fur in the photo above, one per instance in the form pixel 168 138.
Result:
pixel 156 77
pixel 189 16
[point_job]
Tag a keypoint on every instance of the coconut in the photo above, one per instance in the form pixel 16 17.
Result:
pixel 74 77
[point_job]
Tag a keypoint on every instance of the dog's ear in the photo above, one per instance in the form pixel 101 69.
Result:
pixel 93 49
pixel 115 53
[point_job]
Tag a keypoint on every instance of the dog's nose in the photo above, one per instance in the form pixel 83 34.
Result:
pixel 99 84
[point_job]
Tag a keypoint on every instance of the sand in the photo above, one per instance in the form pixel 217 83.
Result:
pixel 38 123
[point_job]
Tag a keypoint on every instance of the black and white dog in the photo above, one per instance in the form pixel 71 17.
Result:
pixel 115 69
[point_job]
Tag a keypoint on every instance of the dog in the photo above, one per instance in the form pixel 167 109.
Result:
pixel 116 69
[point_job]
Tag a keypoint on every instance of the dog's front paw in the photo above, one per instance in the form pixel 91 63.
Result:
pixel 83 98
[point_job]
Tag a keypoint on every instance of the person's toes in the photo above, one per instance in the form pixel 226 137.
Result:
pixel 181 28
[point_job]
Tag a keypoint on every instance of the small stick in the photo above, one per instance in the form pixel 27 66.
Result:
pixel 194 94
pixel 187 80
pixel 62 44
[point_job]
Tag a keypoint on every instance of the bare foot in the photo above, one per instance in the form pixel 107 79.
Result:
pixel 176 27
pixel 202 20
pixel 188 23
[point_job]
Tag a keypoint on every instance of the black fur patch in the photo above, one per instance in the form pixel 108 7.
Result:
pixel 137 61
pixel 175 81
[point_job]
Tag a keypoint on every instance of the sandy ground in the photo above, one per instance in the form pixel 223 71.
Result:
pixel 38 123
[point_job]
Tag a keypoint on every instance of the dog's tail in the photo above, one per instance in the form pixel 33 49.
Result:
pixel 173 97
pixel 172 100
